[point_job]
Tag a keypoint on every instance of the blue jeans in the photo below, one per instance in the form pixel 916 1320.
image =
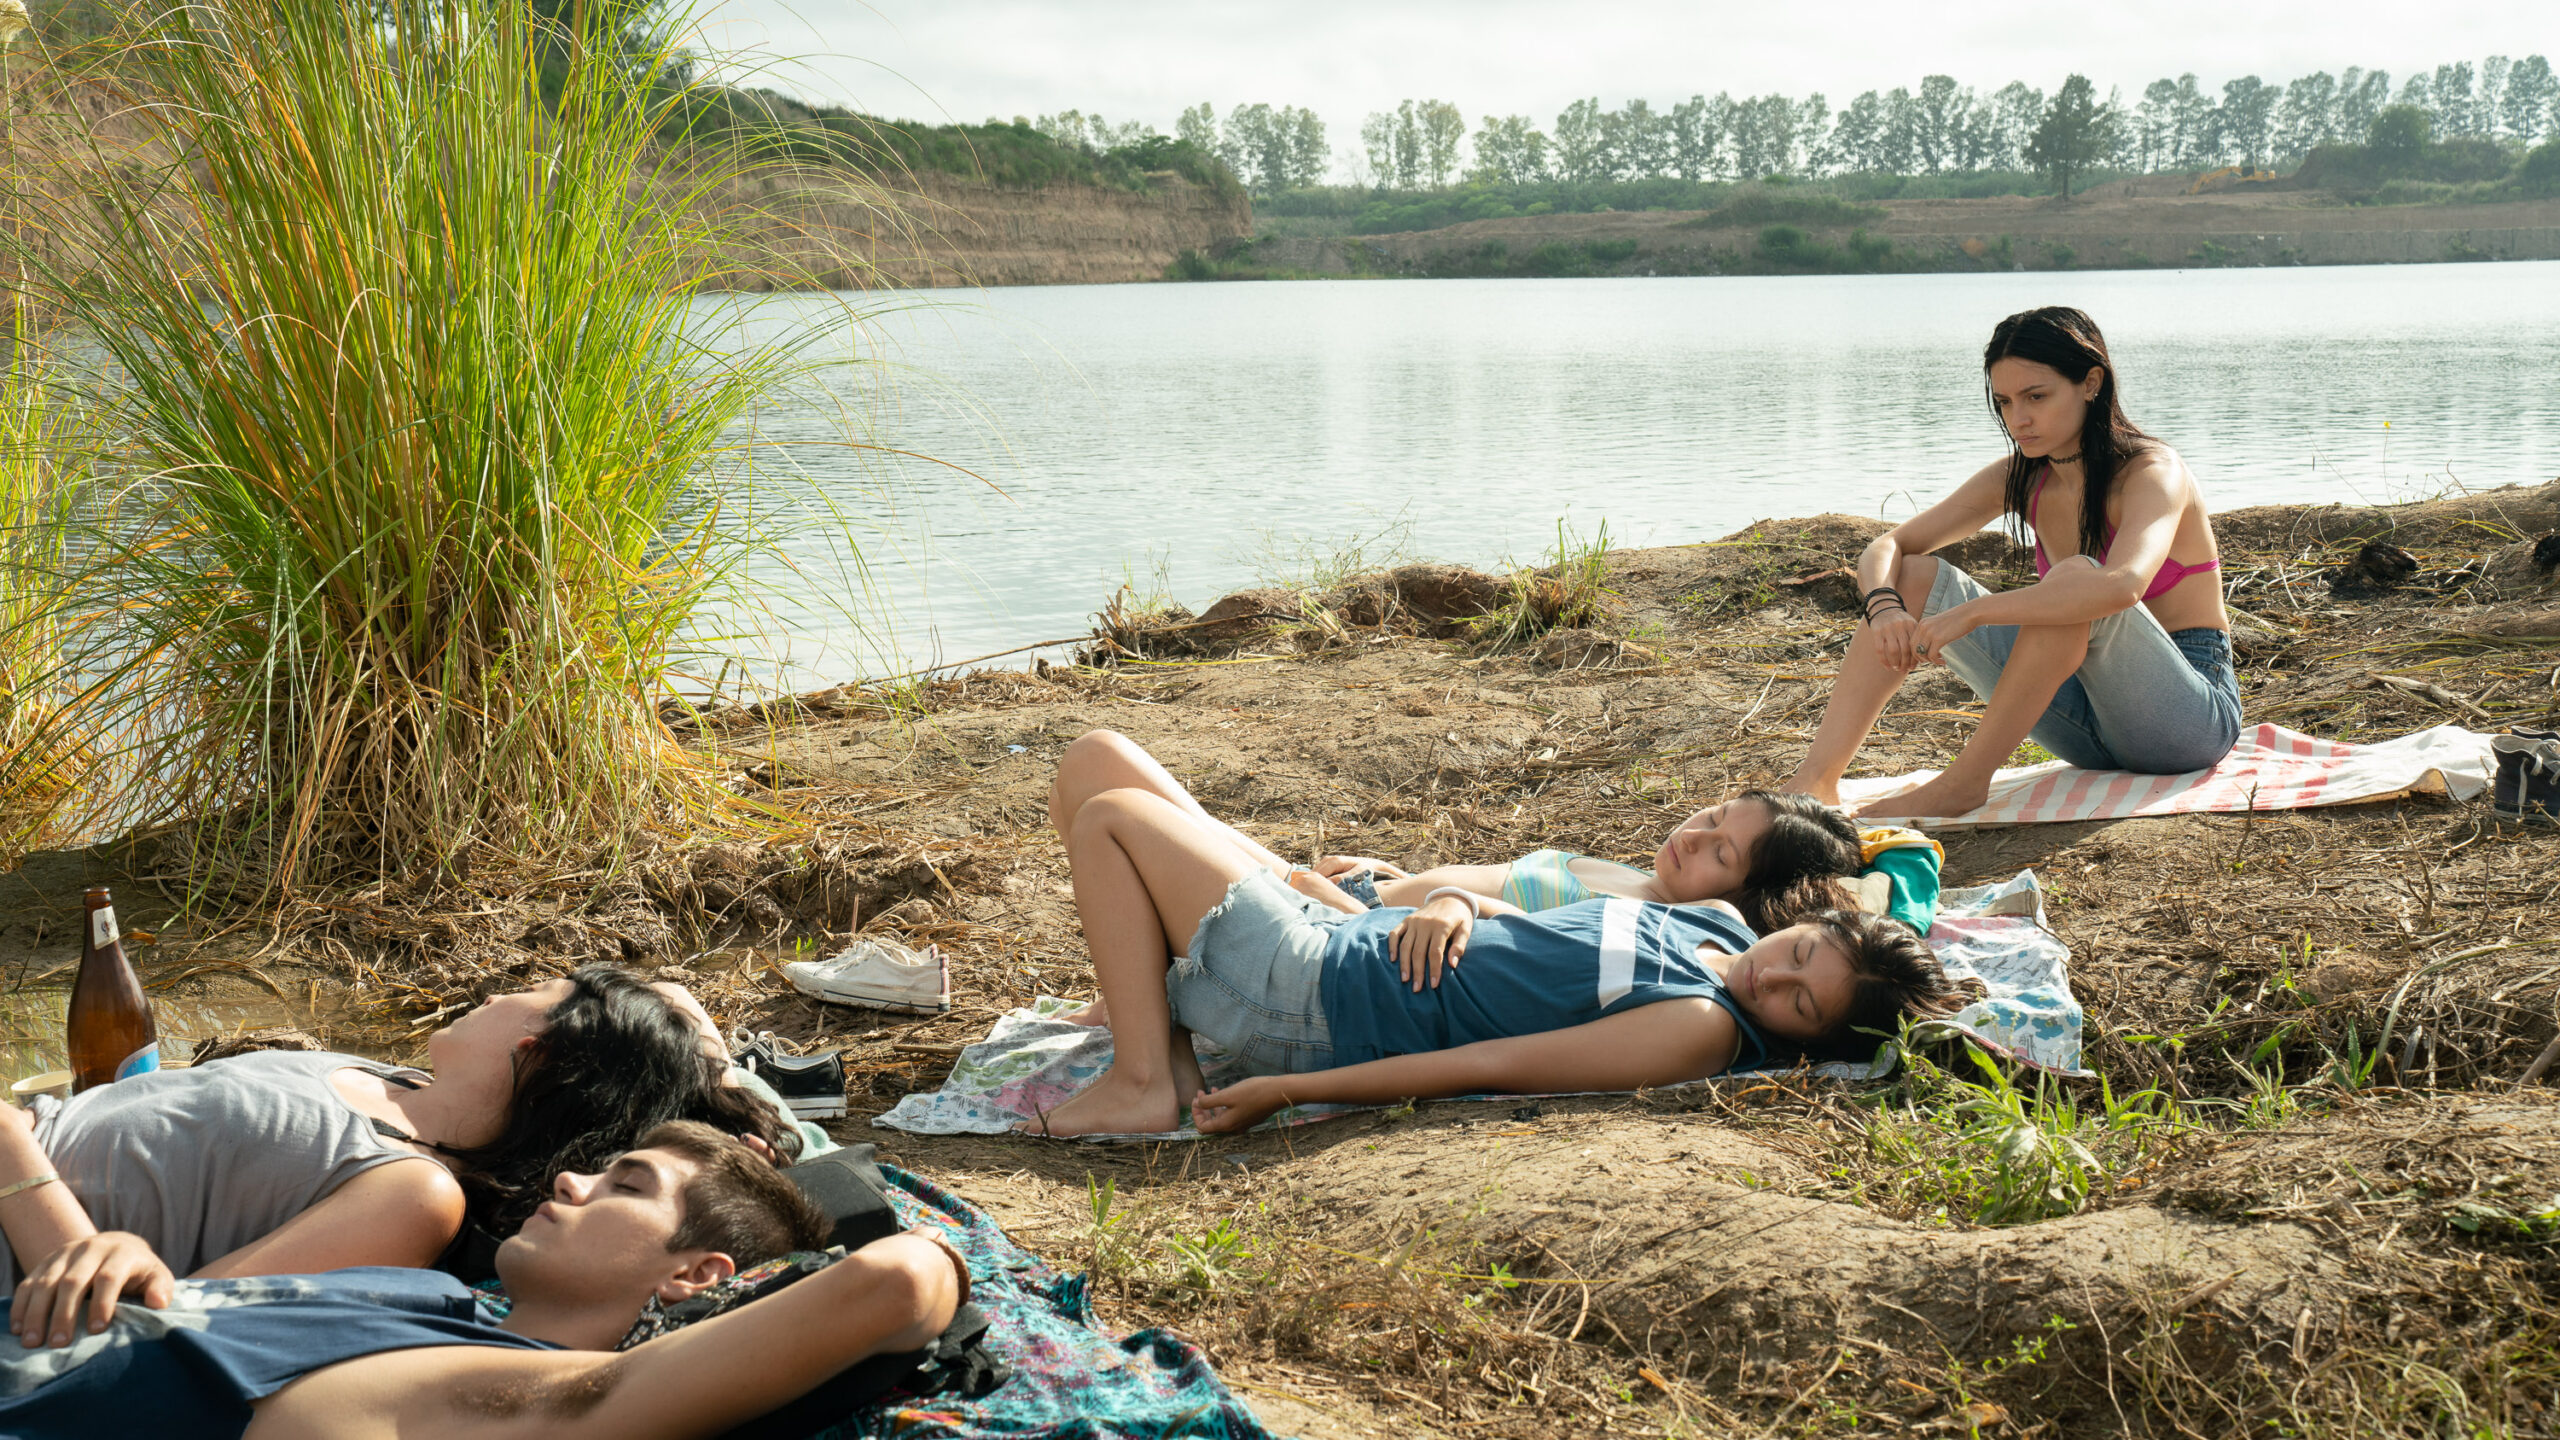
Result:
pixel 2143 699
pixel 1252 978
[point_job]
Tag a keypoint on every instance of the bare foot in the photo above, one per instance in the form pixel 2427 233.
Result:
pixel 1187 1079
pixel 1097 1014
pixel 1317 887
pixel 1826 791
pixel 1114 1105
pixel 1935 797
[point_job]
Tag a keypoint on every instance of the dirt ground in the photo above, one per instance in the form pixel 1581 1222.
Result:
pixel 2312 1249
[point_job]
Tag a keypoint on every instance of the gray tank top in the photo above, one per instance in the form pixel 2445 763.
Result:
pixel 203 1160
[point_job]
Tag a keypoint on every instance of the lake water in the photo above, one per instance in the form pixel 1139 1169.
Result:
pixel 1188 438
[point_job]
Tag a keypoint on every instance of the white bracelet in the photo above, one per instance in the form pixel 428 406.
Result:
pixel 1475 909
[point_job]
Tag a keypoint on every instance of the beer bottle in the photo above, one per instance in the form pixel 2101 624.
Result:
pixel 111 1031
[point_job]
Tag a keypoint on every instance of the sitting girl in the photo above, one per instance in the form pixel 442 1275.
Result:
pixel 1190 933
pixel 288 1162
pixel 2117 658
pixel 1771 856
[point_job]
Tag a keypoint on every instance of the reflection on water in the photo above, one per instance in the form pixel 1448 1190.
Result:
pixel 1121 431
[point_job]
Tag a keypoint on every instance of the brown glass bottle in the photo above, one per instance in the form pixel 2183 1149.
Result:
pixel 112 1035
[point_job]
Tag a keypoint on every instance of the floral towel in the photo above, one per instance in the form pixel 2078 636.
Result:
pixel 1070 1379
pixel 1033 1061
pixel 1996 934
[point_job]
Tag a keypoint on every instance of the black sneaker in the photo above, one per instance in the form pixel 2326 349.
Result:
pixel 812 1085
pixel 2527 787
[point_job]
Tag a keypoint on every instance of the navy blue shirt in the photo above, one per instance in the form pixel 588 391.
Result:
pixel 1528 974
pixel 191 1372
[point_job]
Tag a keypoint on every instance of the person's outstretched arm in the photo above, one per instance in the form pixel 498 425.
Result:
pixel 1484 880
pixel 891 1296
pixel 1658 1044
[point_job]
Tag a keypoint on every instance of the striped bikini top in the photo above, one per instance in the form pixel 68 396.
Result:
pixel 2171 571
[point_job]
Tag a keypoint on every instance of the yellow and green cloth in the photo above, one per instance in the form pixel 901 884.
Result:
pixel 1898 874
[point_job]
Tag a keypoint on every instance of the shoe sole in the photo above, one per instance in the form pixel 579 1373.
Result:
pixel 874 1002
pixel 2527 817
pixel 817 1109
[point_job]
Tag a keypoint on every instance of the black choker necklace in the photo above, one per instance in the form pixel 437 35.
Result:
pixel 2071 459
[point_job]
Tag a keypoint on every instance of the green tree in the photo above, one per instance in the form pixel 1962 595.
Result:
pixel 1695 138
pixel 2307 118
pixel 2015 110
pixel 2489 102
pixel 1579 153
pixel 2075 134
pixel 2155 126
pixel 2530 104
pixel 1941 107
pixel 1443 133
pixel 1198 126
pixel 1644 141
pixel 2245 118
pixel 1898 140
pixel 2194 130
pixel 1309 156
pixel 2361 96
pixel 1510 151
pixel 2398 139
pixel 1408 146
pixel 1857 134
pixel 1378 144
pixel 2455 114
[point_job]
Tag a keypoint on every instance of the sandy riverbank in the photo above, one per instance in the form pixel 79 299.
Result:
pixel 1752 1254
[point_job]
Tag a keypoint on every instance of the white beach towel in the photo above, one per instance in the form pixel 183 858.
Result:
pixel 2272 768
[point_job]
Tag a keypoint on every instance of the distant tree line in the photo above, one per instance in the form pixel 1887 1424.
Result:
pixel 1937 128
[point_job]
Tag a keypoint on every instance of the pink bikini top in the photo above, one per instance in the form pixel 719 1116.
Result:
pixel 2171 571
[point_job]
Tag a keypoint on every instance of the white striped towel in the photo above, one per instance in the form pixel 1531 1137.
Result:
pixel 2272 768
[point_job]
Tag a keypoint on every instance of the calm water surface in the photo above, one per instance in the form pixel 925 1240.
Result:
pixel 1191 437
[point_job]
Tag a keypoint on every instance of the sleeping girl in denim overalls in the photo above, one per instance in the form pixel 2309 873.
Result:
pixel 1771 857
pixel 1193 932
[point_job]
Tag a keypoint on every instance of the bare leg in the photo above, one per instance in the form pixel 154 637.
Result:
pixel 1144 875
pixel 2043 657
pixel 1101 760
pixel 1859 693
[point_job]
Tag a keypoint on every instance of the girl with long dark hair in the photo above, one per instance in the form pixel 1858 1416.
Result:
pixel 290 1162
pixel 2117 658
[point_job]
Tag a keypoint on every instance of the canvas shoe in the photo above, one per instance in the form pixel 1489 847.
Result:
pixel 880 973
pixel 2527 786
pixel 812 1085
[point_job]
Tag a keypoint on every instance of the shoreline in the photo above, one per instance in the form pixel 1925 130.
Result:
pixel 2119 232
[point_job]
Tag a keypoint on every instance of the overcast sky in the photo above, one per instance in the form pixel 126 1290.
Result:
pixel 1144 60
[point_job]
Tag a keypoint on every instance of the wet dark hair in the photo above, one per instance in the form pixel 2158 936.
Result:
pixel 1798 865
pixel 2067 341
pixel 616 1060
pixel 1897 975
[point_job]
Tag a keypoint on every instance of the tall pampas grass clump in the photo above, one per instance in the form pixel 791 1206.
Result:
pixel 394 310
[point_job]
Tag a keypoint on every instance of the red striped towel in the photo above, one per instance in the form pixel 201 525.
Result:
pixel 2272 768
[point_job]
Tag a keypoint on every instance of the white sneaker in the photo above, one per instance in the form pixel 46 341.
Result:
pixel 880 973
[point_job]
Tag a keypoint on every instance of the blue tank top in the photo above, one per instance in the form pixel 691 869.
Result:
pixel 192 1371
pixel 1528 974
